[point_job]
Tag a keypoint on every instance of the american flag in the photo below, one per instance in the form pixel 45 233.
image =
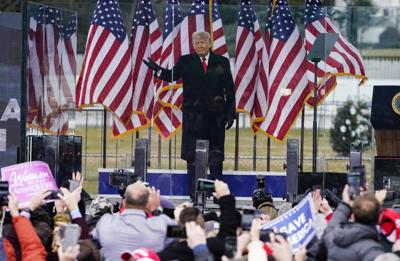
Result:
pixel 146 41
pixel 167 114
pixel 53 97
pixel 288 82
pixel 67 49
pixel 51 71
pixel 344 60
pixel 218 36
pixel 106 75
pixel 251 65
pixel 198 20
pixel 36 68
pixel 59 122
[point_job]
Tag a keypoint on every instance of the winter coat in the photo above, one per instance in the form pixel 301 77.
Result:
pixel 208 102
pixel 344 240
pixel 31 246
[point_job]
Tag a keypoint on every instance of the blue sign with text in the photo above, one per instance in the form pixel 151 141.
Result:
pixel 296 223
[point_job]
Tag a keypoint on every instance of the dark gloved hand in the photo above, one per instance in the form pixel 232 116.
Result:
pixel 229 123
pixel 152 65
pixel 332 198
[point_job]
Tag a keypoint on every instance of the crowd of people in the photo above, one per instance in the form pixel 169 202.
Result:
pixel 347 229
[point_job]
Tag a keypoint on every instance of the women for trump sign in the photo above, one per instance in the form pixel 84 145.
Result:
pixel 25 180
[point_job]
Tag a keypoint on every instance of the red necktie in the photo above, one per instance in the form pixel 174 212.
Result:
pixel 204 64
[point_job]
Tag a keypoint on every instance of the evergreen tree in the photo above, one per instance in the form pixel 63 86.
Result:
pixel 350 126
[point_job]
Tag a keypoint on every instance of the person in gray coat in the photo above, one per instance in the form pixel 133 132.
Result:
pixel 357 239
pixel 132 228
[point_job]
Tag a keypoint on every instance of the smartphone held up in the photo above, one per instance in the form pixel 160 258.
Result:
pixel 354 183
pixel 69 235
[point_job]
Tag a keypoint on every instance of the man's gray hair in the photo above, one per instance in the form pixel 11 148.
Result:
pixel 201 35
pixel 138 198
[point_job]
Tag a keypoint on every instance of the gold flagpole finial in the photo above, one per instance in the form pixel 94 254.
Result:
pixel 210 10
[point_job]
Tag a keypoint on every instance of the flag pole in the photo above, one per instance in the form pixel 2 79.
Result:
pixel 302 140
pixel 236 161
pixel 315 100
pixel 273 3
pixel 210 19
pixel 104 138
pixel 21 150
pixel 268 154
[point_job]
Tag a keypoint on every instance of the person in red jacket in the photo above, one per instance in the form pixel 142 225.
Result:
pixel 32 248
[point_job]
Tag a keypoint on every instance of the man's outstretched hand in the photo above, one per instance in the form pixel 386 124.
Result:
pixel 229 124
pixel 152 65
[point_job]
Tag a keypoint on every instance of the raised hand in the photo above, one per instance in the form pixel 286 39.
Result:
pixel 152 65
pixel 154 199
pixel 70 199
pixel 76 176
pixel 221 189
pixel 70 254
pixel 195 235
pixel 13 205
pixel 38 200
pixel 229 124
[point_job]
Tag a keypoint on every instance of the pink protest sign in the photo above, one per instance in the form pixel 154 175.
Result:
pixel 25 180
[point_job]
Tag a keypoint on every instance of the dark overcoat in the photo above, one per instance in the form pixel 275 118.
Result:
pixel 208 102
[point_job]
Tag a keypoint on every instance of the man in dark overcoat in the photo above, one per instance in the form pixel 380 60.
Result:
pixel 208 102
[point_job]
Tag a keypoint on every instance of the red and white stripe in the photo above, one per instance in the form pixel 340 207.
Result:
pixel 344 59
pixel 146 42
pixel 167 113
pixel 167 117
pixel 106 73
pixel 51 75
pixel 35 73
pixel 218 35
pixel 288 85
pixel 52 69
pixel 58 123
pixel 67 49
pixel 251 73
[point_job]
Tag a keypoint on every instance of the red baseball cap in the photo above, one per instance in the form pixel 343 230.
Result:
pixel 140 254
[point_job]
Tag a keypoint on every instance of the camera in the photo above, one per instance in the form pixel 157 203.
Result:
pixel 247 218
pixel 3 193
pixel 354 182
pixel 54 194
pixel 176 231
pixel 259 197
pixel 122 178
pixel 264 235
pixel 260 182
pixel 205 185
pixel 259 194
